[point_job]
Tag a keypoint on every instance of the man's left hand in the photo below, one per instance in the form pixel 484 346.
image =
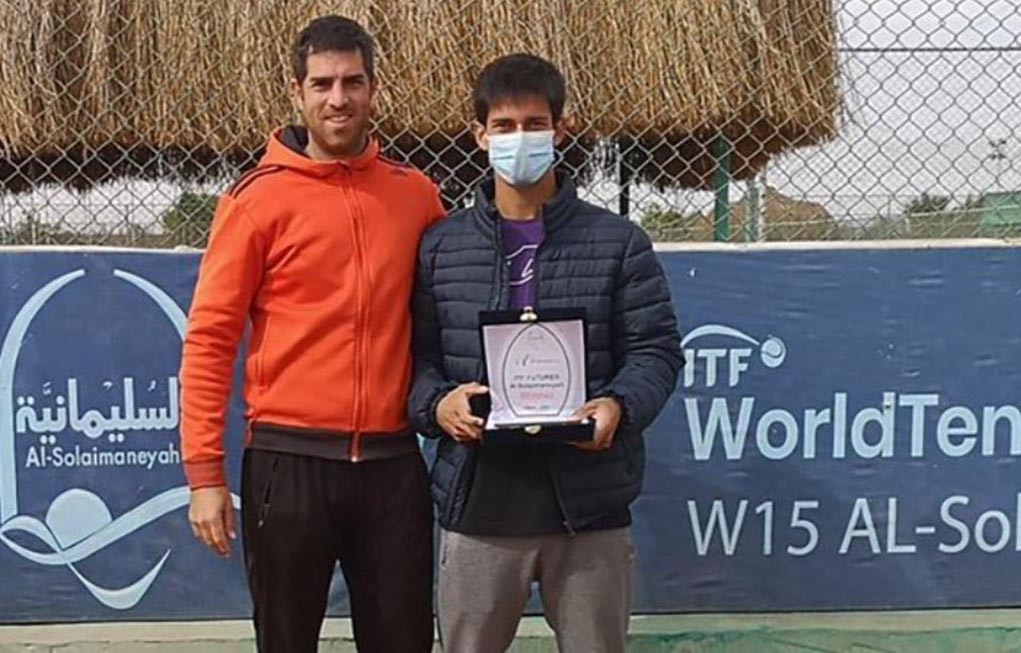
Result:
pixel 606 412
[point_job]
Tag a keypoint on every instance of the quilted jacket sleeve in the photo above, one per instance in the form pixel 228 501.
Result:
pixel 647 345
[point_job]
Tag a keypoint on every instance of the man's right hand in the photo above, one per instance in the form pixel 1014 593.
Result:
pixel 211 515
pixel 454 413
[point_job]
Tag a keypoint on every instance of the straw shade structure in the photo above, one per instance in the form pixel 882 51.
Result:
pixel 91 89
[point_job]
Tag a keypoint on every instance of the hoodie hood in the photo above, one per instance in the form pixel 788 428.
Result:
pixel 287 145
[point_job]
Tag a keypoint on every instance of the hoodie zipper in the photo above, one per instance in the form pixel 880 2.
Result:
pixel 361 317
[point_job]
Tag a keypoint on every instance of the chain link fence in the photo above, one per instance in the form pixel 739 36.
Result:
pixel 740 120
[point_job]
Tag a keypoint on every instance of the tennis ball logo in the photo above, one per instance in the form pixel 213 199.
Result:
pixel 773 352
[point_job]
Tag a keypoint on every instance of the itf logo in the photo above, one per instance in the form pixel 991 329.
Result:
pixel 67 422
pixel 719 363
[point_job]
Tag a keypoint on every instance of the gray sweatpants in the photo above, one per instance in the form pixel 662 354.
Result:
pixel 584 581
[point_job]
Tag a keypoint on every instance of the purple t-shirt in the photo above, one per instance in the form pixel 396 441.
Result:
pixel 521 238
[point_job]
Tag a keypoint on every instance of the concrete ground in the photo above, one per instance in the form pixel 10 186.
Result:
pixel 956 631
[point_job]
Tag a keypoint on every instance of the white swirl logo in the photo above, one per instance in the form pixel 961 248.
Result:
pixel 78 523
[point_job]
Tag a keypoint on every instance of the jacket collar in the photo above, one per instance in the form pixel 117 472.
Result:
pixel 555 213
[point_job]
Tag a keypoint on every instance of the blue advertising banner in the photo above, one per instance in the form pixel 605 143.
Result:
pixel 93 502
pixel 846 435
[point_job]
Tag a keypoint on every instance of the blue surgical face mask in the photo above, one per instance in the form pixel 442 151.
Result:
pixel 521 158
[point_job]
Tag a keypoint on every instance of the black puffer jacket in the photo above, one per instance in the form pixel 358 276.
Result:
pixel 590 258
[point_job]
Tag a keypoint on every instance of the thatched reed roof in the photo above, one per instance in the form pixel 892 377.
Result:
pixel 83 81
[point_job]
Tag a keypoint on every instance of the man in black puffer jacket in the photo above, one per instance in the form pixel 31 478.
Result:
pixel 557 514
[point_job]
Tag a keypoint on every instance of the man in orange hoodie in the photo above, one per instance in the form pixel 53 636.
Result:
pixel 316 246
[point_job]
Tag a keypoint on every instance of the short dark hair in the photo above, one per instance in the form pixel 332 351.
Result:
pixel 332 34
pixel 516 76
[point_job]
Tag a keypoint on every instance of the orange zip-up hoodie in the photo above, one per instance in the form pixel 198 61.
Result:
pixel 320 256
